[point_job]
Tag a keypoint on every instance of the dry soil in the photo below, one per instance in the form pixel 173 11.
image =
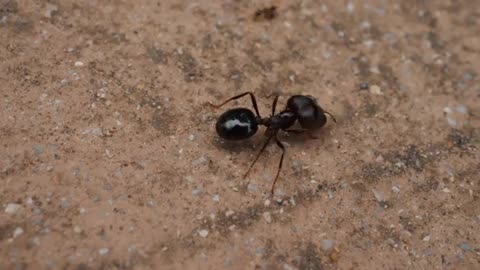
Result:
pixel 109 157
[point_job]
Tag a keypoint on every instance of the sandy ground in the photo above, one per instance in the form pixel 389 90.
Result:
pixel 109 157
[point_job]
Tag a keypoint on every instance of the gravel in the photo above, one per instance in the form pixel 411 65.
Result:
pixel 103 251
pixel 203 233
pixel 203 160
pixel 327 244
pixel 379 196
pixel 12 208
pixel 196 191
pixel 465 246
pixel 18 231
pixel 268 217
pixel 376 90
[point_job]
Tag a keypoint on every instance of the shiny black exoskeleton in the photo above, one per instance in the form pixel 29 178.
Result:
pixel 242 123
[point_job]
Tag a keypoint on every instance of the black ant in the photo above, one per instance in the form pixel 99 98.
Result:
pixel 241 123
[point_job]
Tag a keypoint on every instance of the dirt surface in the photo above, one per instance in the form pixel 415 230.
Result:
pixel 109 157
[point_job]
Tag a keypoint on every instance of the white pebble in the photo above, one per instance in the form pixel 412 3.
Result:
pixel 77 229
pixel 350 7
pixel 268 217
pixel 267 203
pixel 376 90
pixel 203 233
pixel 368 43
pixel 327 244
pixel 12 208
pixel 452 122
pixel 229 213
pixel 79 64
pixel 396 189
pixel 216 198
pixel 374 70
pixel 18 231
pixel 447 110
pixel 446 190
pixel 36 240
pixel 426 238
pixel 378 195
pixel 103 251
pixel 49 10
pixel 365 25
pixel 191 137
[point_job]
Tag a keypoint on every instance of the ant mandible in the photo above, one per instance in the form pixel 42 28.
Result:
pixel 241 123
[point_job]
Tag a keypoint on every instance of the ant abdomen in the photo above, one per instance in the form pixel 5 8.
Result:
pixel 237 124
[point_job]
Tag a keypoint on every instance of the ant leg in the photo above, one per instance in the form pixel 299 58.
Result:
pixel 279 144
pixel 254 101
pixel 258 155
pixel 334 120
pixel 274 105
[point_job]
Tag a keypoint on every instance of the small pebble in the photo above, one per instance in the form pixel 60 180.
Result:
pixel 191 137
pixel 267 203
pixel 79 64
pixel 426 238
pixel 364 86
pixel 36 240
pixel 216 198
pixel 375 89
pixel 378 195
pixel 452 122
pixel 268 217
pixel 18 231
pixel 446 190
pixel 196 191
pixel 396 189
pixel 465 246
pixel 252 187
pixel 12 208
pixel 77 229
pixel 289 267
pixel 375 70
pixel 203 233
pixel 350 7
pixel 229 213
pixel 447 110
pixel 203 160
pixel 365 25
pixel 103 251
pixel 327 244
pixel 49 10
pixel 462 109
pixel 368 43
pixel 38 149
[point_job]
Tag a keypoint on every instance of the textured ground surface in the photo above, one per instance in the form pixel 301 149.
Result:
pixel 109 157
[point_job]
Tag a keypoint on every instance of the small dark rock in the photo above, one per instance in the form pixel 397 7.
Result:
pixel 364 86
pixel 269 13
